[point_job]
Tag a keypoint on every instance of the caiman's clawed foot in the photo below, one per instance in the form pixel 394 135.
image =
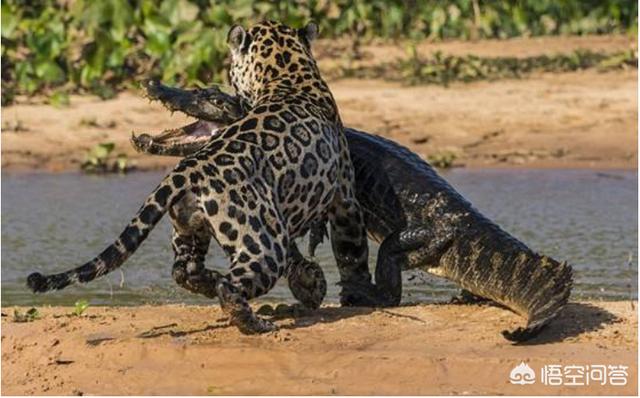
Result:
pixel 363 294
pixel 466 298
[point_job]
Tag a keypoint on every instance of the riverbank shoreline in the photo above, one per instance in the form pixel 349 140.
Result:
pixel 581 119
pixel 414 349
pixel 571 120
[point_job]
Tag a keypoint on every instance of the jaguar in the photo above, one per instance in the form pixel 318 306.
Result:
pixel 258 184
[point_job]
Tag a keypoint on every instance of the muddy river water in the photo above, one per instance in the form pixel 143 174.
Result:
pixel 51 223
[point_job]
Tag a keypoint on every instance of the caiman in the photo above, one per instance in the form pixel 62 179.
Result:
pixel 419 220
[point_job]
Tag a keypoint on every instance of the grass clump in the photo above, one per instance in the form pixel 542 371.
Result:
pixel 442 160
pixel 100 160
pixel 80 307
pixel 444 69
pixel 30 315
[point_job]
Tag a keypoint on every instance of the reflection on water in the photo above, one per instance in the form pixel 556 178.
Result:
pixel 54 222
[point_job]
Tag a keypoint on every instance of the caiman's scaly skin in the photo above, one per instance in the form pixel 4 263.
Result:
pixel 422 222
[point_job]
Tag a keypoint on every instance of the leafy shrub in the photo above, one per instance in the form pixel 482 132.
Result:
pixel 102 46
pixel 99 160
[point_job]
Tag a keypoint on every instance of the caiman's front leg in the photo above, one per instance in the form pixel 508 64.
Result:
pixel 406 249
pixel 357 289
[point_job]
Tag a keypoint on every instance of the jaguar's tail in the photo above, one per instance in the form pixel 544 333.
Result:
pixel 170 190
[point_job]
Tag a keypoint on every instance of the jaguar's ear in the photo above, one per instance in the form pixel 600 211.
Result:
pixel 237 38
pixel 309 33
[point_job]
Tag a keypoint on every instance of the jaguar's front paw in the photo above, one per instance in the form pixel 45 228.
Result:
pixel 308 284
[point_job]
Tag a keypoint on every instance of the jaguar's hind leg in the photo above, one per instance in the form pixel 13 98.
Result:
pixel 190 242
pixel 188 268
pixel 254 271
pixel 256 242
pixel 306 282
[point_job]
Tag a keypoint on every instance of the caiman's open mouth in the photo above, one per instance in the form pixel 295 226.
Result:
pixel 177 142
pixel 203 104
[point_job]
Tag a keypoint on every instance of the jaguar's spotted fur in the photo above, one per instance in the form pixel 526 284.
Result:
pixel 257 184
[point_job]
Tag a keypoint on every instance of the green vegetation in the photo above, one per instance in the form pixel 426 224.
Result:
pixel 80 307
pixel 444 69
pixel 55 46
pixel 442 160
pixel 99 160
pixel 29 316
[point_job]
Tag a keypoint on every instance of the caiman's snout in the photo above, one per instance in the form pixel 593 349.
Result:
pixel 152 88
pixel 208 104
pixel 212 108
pixel 141 142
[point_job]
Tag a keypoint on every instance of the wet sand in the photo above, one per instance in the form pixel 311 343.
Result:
pixel 414 349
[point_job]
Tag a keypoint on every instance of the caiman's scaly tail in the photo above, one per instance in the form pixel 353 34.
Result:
pixel 501 268
pixel 543 297
pixel 155 206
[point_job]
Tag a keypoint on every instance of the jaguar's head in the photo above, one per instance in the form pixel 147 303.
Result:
pixel 268 54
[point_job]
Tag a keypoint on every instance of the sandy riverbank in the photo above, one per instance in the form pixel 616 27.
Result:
pixel 417 349
pixel 578 119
